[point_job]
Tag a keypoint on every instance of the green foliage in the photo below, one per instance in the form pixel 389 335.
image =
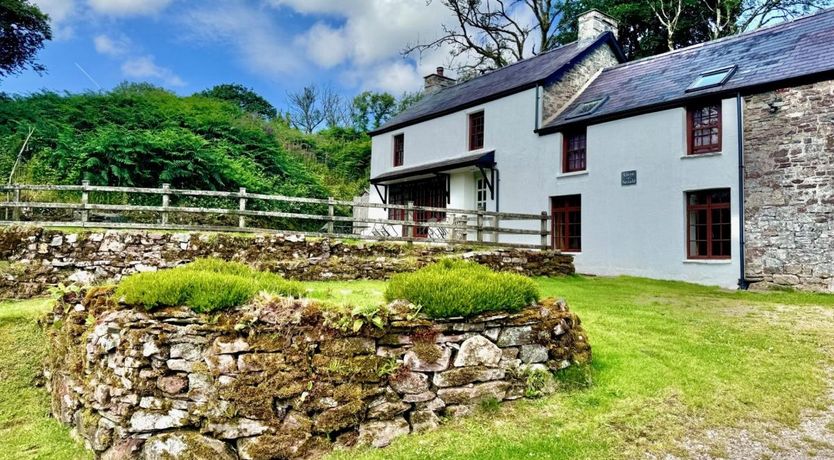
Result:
pixel 205 285
pixel 139 135
pixel 455 287
pixel 23 30
pixel 248 100
pixel 356 318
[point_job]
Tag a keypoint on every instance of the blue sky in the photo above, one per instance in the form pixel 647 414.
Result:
pixel 273 46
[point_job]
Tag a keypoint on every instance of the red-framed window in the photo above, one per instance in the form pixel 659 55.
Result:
pixel 566 224
pixel 708 224
pixel 476 131
pixel 399 149
pixel 704 128
pixel 574 157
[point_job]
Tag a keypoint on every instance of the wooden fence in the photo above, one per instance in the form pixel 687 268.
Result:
pixel 92 207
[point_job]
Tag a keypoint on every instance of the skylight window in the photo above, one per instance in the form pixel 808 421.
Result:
pixel 586 108
pixel 712 79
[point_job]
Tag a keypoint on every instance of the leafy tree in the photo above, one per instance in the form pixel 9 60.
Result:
pixel 248 100
pixel 23 30
pixel 370 110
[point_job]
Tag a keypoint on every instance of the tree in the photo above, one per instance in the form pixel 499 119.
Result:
pixel 305 112
pixel 489 34
pixel 248 100
pixel 370 110
pixel 23 30
pixel 333 107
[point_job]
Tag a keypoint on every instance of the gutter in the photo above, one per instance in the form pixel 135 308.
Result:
pixel 742 280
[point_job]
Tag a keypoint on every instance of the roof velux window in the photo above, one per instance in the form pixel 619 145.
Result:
pixel 586 108
pixel 712 79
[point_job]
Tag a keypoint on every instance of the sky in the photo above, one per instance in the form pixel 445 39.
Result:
pixel 272 46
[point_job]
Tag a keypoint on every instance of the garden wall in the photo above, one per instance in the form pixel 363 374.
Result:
pixel 39 258
pixel 279 379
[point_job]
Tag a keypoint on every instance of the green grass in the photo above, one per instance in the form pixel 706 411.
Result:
pixel 204 285
pixel 670 360
pixel 26 430
pixel 454 287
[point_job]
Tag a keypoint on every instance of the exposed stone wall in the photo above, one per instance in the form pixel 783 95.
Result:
pixel 557 95
pixel 279 379
pixel 39 258
pixel 789 187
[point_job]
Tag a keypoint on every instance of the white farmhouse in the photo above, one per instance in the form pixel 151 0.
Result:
pixel 712 164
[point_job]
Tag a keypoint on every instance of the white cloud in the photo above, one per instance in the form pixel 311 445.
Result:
pixel 144 67
pixel 60 12
pixel 369 38
pixel 261 45
pixel 128 7
pixel 113 47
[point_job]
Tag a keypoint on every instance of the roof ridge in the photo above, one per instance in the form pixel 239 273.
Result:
pixel 741 36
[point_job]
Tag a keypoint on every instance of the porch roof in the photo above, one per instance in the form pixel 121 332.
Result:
pixel 480 160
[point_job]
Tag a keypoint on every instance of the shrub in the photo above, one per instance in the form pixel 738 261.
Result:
pixel 459 288
pixel 204 285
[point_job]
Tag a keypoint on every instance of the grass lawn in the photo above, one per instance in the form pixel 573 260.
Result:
pixel 26 429
pixel 671 360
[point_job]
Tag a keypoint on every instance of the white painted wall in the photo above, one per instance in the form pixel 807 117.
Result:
pixel 637 230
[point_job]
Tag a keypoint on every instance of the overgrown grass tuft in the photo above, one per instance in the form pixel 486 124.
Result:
pixel 454 287
pixel 204 285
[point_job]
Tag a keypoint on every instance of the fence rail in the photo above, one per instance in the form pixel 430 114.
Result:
pixel 37 205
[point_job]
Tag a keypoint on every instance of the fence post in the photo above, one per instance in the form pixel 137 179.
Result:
pixel 479 222
pixel 496 222
pixel 544 230
pixel 85 200
pixel 241 220
pixel 166 201
pixel 409 217
pixel 331 211
pixel 460 228
pixel 16 209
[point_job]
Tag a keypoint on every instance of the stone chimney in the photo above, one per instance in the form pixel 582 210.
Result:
pixel 592 24
pixel 437 81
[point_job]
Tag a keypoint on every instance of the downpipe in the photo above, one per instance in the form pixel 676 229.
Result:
pixel 743 284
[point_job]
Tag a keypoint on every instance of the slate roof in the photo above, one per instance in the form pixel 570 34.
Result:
pixel 498 83
pixel 481 160
pixel 790 50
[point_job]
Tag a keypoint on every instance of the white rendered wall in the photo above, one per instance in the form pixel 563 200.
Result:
pixel 637 230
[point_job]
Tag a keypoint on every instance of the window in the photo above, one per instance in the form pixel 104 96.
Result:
pixel 476 131
pixel 399 149
pixel 480 194
pixel 586 108
pixel 567 223
pixel 428 192
pixel 712 79
pixel 574 155
pixel 708 224
pixel 704 129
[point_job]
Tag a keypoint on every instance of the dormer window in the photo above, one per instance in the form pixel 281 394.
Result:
pixel 586 108
pixel 712 79
pixel 399 149
pixel 476 131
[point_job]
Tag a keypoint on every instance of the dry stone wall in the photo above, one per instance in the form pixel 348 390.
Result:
pixel 277 379
pixel 789 187
pixel 38 258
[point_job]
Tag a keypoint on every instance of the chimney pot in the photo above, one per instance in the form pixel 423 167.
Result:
pixel 437 81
